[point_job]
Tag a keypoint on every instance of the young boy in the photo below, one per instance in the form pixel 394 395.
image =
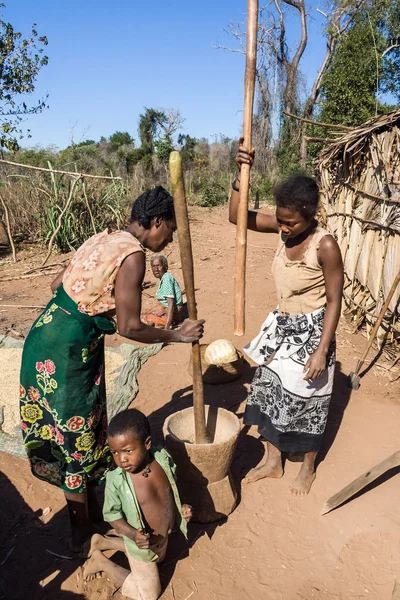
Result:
pixel 141 503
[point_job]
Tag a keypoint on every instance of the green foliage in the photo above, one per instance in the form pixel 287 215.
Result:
pixel 360 69
pixel 107 206
pixel 164 147
pixel 86 143
pixel 37 157
pixel 287 151
pixel 209 190
pixel 187 147
pixel 20 62
pixel 120 138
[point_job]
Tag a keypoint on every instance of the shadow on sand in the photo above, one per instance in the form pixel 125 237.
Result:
pixel 25 542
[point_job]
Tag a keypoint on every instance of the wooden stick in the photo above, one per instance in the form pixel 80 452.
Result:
pixel 369 195
pixel 318 139
pixel 368 222
pixel 361 482
pixel 8 225
pixel 88 206
pixel 74 174
pixel 378 322
pixel 20 306
pixel 62 213
pixel 32 276
pixel 333 125
pixel 185 248
pixel 241 231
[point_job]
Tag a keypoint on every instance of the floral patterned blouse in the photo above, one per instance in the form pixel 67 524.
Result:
pixel 89 279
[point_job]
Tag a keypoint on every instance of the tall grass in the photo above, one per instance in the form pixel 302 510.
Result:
pixel 36 200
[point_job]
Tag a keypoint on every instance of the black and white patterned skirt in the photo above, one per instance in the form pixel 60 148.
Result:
pixel 290 412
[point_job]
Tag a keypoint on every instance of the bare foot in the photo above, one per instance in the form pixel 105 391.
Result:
pixel 94 566
pixel 303 482
pixel 272 468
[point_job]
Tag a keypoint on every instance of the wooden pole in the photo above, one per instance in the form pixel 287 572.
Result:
pixel 241 232
pixel 185 248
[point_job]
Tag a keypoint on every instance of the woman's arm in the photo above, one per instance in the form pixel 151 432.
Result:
pixel 128 303
pixel 255 221
pixel 332 267
pixel 58 281
pixel 170 313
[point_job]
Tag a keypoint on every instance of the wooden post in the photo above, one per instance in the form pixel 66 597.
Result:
pixel 241 232
pixel 185 248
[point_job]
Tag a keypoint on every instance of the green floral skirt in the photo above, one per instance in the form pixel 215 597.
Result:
pixel 62 395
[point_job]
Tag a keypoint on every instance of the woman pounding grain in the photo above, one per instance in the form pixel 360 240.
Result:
pixel 62 391
pixel 295 349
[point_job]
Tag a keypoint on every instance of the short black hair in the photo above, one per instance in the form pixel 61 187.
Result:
pixel 153 203
pixel 299 193
pixel 130 421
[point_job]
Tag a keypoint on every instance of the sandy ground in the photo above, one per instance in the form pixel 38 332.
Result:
pixel 274 546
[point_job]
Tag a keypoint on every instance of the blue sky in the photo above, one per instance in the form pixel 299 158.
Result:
pixel 107 61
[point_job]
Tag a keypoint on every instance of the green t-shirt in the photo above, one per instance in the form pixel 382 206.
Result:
pixel 120 502
pixel 169 288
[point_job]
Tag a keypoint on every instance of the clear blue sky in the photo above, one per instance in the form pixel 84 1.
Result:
pixel 109 60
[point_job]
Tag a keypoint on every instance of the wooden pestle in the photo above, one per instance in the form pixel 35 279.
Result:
pixel 185 248
pixel 241 231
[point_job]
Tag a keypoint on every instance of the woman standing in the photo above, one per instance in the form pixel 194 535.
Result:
pixel 62 392
pixel 295 349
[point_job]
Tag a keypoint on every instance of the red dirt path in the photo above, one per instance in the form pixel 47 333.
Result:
pixel 274 546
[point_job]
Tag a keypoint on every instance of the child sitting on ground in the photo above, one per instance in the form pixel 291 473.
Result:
pixel 142 504
pixel 168 312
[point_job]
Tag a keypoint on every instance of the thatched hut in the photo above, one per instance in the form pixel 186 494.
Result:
pixel 360 188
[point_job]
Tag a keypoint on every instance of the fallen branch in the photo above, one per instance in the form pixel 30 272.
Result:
pixel 63 556
pixel 59 264
pixel 318 139
pixel 14 164
pixel 319 123
pixel 7 556
pixel 62 213
pixel 20 306
pixel 28 276
pixel 7 217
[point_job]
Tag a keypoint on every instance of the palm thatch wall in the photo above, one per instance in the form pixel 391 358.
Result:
pixel 360 188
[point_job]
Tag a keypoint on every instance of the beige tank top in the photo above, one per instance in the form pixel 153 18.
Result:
pixel 90 277
pixel 300 284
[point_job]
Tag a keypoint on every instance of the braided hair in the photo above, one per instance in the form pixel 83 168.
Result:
pixel 153 203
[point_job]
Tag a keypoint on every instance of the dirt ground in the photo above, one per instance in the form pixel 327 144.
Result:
pixel 274 546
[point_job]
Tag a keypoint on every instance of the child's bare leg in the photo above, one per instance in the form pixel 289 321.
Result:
pixel 271 468
pixel 306 476
pixel 100 542
pixel 98 563
pixel 79 519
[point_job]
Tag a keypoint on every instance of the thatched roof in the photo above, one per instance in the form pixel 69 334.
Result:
pixel 360 188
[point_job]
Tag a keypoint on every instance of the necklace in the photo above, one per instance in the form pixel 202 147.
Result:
pixel 146 471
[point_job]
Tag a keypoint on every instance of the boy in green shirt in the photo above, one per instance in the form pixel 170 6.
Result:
pixel 141 503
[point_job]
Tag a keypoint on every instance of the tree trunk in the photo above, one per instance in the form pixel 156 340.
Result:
pixel 4 241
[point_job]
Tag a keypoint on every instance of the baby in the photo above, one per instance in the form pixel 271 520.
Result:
pixel 142 504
